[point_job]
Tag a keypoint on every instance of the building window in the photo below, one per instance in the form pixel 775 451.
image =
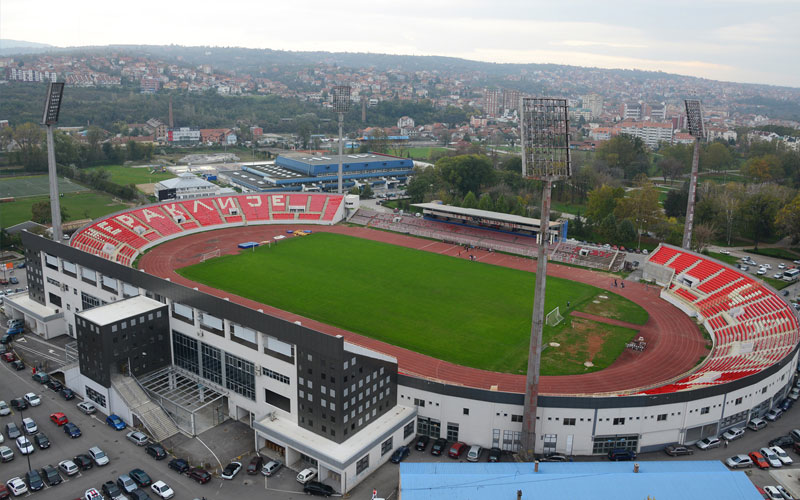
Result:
pixel 89 302
pixel 277 376
pixel 184 350
pixel 466 411
pixel 419 402
pixel 704 410
pixel 212 364
pixel 452 431
pixel 516 418
pixel 55 299
pixel 96 396
pixel 386 447
pixel 362 464
pixel 619 421
pixel 569 421
pixel 738 401
pixel 408 429
pixel 662 417
pixel 240 376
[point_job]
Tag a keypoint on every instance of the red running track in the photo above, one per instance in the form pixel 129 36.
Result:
pixel 674 342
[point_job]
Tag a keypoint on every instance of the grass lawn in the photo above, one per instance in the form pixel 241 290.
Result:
pixel 131 175
pixel 728 259
pixel 35 185
pixel 615 306
pixel 451 309
pixel 582 340
pixel 778 253
pixel 570 208
pixel 423 154
pixel 87 205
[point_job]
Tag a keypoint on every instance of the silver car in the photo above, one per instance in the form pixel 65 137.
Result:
pixel 139 438
pixel 4 409
pixel 99 456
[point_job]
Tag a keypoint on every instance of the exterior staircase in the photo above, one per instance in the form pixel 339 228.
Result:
pixel 155 419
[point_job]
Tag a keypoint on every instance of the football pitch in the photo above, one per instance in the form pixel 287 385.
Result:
pixel 465 312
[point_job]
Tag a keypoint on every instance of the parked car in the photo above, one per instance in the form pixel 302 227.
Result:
pixel 400 454
pixel 200 475
pixel 12 431
pixel 784 494
pixel 54 384
pixel 18 365
pixel 87 407
pixel 438 446
pixel 72 430
pixel 270 468
pixel 24 446
pixel 162 489
pixel 554 457
pixel 125 483
pixel 255 464
pixel 8 357
pixel 756 424
pixel 67 393
pixel 99 456
pixel 178 465
pixel 771 457
pixel 795 434
pixel 786 404
pixel 19 404
pixel 6 454
pixel 83 461
pixel 422 443
pixel 708 442
pixel 138 494
pixel 40 377
pixel 621 454
pixel 759 460
pixel 739 462
pixel 29 426
pixel 112 491
pixel 474 453
pixel 34 480
pixel 17 486
pixel 4 493
pixel 50 475
pixel 674 450
pixel 68 467
pixel 231 470
pixel 59 418
pixel 772 493
pixel 457 449
pixel 32 399
pixel 306 475
pixel 41 441
pixel 114 421
pixel 141 477
pixel 774 414
pixel 92 494
pixel 782 441
pixel 4 409
pixel 136 437
pixel 156 451
pixel 317 488
pixel 782 455
pixel 494 455
pixel 794 394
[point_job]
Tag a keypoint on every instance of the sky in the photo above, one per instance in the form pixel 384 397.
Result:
pixel 752 41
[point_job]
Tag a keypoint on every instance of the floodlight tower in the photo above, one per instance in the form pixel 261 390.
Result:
pixel 52 106
pixel 544 129
pixel 341 104
pixel 694 121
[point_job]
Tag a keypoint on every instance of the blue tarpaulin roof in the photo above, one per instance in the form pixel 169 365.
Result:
pixel 663 480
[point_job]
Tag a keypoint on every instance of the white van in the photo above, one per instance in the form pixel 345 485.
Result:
pixel 306 475
pixel 474 453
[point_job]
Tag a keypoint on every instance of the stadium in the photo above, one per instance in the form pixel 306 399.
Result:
pixel 721 347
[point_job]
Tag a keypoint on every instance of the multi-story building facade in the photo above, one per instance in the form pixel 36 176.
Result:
pixel 651 133
pixel 492 102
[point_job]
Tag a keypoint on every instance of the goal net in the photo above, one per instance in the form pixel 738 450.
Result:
pixel 210 255
pixel 554 317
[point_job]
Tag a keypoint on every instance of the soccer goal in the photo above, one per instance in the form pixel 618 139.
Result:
pixel 210 255
pixel 554 317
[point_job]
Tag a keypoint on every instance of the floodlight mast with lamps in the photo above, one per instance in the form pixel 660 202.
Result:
pixel 52 106
pixel 694 122
pixel 544 127
pixel 341 104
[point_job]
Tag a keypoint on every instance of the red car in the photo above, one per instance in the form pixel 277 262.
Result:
pixel 457 450
pixel 4 493
pixel 59 418
pixel 759 460
pixel 8 357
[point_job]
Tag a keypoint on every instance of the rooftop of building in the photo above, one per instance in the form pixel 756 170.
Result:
pixel 116 311
pixel 663 480
pixel 185 181
pixel 310 159
pixel 484 214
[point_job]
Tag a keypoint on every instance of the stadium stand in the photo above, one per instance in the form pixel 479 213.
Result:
pixel 751 325
pixel 123 236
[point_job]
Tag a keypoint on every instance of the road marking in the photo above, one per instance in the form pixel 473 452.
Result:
pixel 21 339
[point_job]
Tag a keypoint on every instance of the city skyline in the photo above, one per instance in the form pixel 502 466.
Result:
pixel 746 42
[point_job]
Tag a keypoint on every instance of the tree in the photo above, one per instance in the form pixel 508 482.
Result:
pixel 466 173
pixel 425 180
pixel 366 191
pixel 758 214
pixel 670 168
pixel 29 137
pixel 603 201
pixel 485 202
pixel 470 201
pixel 702 236
pixel 716 157
pixel 40 212
pixel 676 201
pixel 626 153
pixel 626 232
pixel 641 205
pixel 608 228
pixel 788 220
pixel 763 169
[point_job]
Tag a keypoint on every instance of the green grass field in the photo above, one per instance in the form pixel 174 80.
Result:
pixel 465 312
pixel 778 253
pixel 422 154
pixel 35 185
pixel 570 208
pixel 132 175
pixel 86 205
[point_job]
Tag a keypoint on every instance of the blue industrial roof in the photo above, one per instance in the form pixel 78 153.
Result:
pixel 667 480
